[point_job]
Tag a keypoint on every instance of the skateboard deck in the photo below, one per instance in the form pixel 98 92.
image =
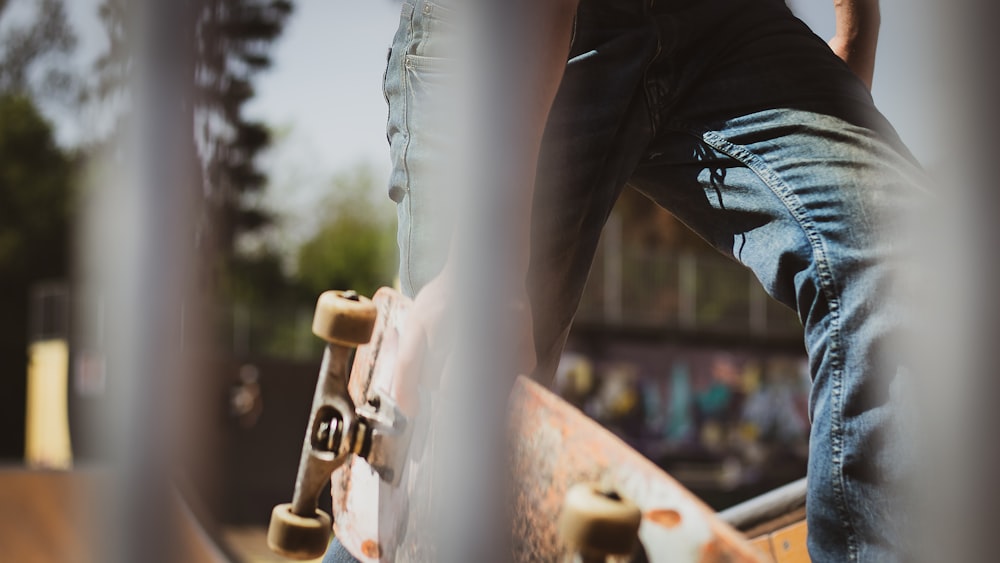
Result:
pixel 370 514
pixel 553 446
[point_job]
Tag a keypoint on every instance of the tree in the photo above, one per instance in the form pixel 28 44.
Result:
pixel 35 210
pixel 355 247
pixel 232 40
pixel 35 191
pixel 34 56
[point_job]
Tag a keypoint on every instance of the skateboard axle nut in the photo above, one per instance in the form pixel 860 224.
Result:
pixel 329 431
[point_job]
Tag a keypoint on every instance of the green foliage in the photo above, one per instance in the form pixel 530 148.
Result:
pixel 230 42
pixel 355 247
pixel 34 194
pixel 233 40
pixel 33 56
pixel 258 278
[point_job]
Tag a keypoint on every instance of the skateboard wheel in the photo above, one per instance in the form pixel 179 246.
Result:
pixel 344 317
pixel 298 537
pixel 595 522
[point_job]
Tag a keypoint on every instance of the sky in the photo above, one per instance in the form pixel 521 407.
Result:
pixel 323 95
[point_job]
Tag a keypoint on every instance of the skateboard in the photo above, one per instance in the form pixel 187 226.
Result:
pixel 578 492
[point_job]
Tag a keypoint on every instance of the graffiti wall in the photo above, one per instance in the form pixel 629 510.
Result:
pixel 728 417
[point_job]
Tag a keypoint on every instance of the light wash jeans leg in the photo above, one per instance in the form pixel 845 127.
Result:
pixel 771 148
pixel 419 82
pixel 416 76
pixel 814 206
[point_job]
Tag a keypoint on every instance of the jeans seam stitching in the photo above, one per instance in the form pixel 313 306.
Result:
pixel 780 189
pixel 406 90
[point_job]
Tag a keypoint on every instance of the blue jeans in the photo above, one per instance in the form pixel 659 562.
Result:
pixel 336 553
pixel 736 118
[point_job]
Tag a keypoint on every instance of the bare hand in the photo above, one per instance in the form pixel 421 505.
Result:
pixel 423 348
pixel 428 339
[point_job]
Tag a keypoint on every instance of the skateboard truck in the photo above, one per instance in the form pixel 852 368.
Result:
pixel 336 430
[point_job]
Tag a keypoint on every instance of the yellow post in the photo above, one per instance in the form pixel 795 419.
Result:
pixel 47 441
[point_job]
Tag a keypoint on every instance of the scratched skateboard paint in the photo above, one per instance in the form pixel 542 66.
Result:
pixel 553 446
pixel 373 519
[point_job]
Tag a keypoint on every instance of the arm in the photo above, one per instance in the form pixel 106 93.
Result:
pixel 543 74
pixel 856 35
pixel 422 347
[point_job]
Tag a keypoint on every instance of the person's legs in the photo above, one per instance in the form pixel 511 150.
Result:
pixel 420 90
pixel 771 149
pixel 759 138
pixel 337 553
pixel 766 146
pixel 596 133
pixel 812 204
pixel 417 83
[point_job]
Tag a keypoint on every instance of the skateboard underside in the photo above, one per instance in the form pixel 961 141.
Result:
pixel 553 446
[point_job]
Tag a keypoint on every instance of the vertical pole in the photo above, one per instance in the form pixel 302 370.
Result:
pixel 952 295
pixel 687 272
pixel 140 247
pixel 758 307
pixel 241 330
pixel 613 265
pixel 967 84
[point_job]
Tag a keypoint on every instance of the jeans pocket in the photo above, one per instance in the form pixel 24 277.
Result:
pixel 429 95
pixel 422 68
pixel 435 31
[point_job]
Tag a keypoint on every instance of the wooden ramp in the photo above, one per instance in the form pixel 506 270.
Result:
pixel 55 517
pixel 775 522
